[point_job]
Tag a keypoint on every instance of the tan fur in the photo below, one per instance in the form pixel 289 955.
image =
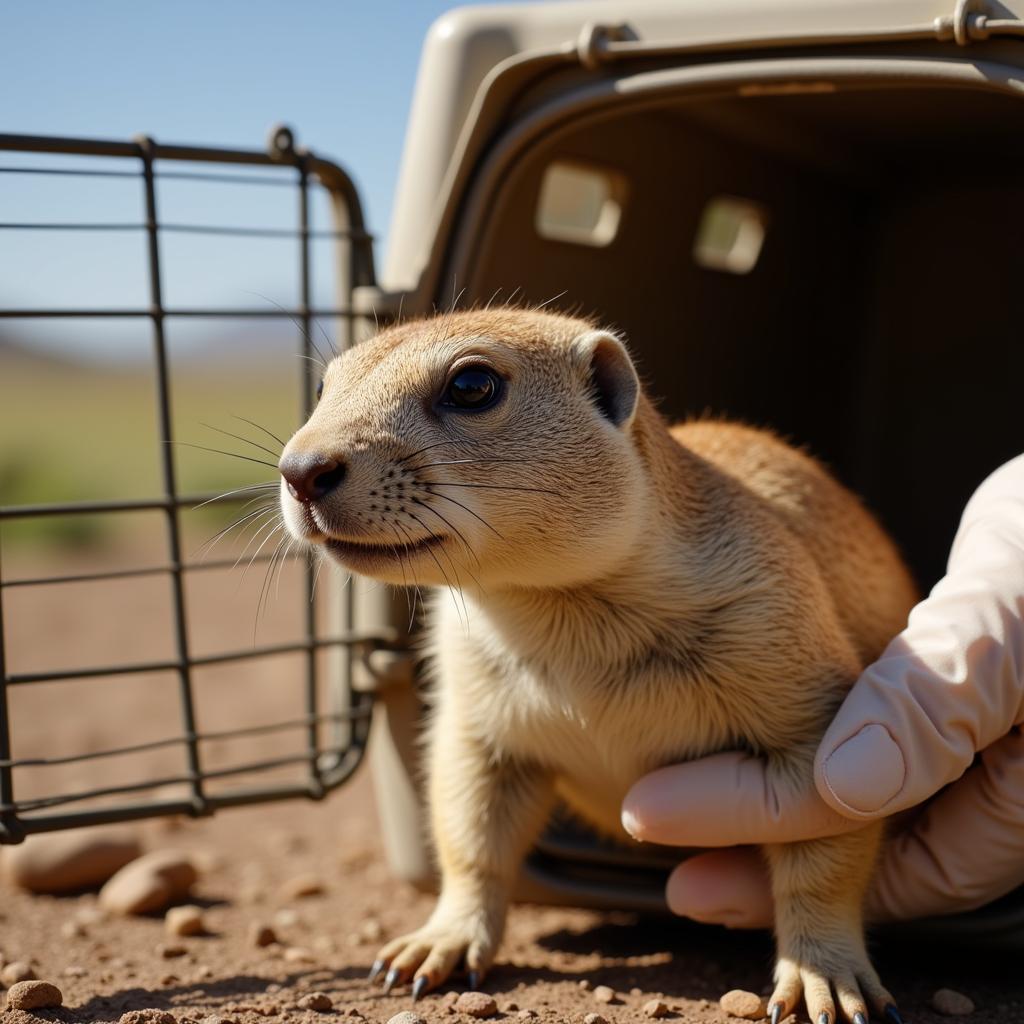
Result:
pixel 618 596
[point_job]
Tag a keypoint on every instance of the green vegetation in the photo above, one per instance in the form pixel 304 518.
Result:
pixel 72 432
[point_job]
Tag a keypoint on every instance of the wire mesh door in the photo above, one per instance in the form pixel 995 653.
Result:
pixel 132 685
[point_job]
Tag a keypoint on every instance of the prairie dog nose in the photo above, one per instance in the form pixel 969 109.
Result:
pixel 309 475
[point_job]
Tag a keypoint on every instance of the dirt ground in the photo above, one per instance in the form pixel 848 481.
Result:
pixel 107 967
pixel 552 958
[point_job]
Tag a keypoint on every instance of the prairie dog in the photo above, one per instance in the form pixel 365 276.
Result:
pixel 617 596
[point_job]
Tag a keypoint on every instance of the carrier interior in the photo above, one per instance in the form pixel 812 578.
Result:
pixel 880 325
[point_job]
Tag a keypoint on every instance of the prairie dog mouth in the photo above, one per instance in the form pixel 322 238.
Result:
pixel 348 550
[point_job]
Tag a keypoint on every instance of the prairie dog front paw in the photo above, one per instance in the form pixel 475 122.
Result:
pixel 469 936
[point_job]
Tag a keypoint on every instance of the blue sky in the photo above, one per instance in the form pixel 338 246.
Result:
pixel 341 72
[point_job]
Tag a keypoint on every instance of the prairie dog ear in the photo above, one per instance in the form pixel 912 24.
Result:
pixel 616 387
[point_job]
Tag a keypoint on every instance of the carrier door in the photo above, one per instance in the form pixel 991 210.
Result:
pixel 164 315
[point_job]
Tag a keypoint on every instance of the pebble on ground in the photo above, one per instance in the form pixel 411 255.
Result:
pixel 604 994
pixel 952 1004
pixel 476 1004
pixel 655 1008
pixel 302 886
pixel 594 1018
pixel 149 884
pixel 406 1017
pixel 33 995
pixel 747 1005
pixel 261 934
pixel 184 920
pixel 318 1001
pixel 15 972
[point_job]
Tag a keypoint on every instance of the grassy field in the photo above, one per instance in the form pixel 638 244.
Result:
pixel 78 432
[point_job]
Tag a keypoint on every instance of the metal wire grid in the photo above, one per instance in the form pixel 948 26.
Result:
pixel 328 766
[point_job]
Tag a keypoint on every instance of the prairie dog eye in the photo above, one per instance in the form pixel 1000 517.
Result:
pixel 474 387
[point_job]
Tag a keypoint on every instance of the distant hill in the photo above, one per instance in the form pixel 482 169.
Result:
pixel 252 347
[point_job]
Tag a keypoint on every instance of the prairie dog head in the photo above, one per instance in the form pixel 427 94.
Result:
pixel 484 447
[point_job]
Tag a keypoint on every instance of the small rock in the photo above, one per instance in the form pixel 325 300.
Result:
pixel 273 988
pixel 584 984
pixel 594 1018
pixel 951 1003
pixel 655 1008
pixel 476 1004
pixel 318 1001
pixel 510 1008
pixel 636 991
pixel 149 884
pixel 73 930
pixel 33 995
pixel 406 1017
pixel 90 915
pixel 74 971
pixel 261 934
pixel 147 1017
pixel 302 886
pixel 353 1012
pixel 530 1014
pixel 203 973
pixel 298 955
pixel 604 994
pixel 185 920
pixel 748 1005
pixel 81 858
pixel 16 971
pixel 170 950
pixel 371 930
pixel 287 918
pixel 169 979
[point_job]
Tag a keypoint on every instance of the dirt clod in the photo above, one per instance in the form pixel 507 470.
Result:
pixel 476 1004
pixel 318 1001
pixel 604 994
pixel 33 995
pixel 261 934
pixel 185 920
pixel 952 1003
pixel 147 1017
pixel 171 950
pixel 406 1017
pixel 655 1008
pixel 747 1005
pixel 149 884
pixel 16 971
pixel 302 886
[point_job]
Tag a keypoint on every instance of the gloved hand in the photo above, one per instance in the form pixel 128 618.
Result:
pixel 950 686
